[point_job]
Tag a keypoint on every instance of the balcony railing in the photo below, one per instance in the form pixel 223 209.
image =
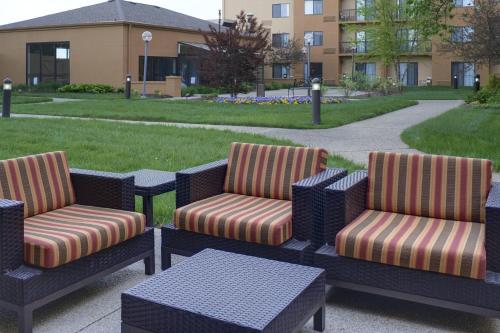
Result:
pixel 356 47
pixel 353 15
pixel 362 47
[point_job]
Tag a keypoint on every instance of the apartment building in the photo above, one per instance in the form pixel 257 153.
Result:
pixel 338 37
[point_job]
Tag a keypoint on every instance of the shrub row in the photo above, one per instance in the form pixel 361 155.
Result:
pixel 87 88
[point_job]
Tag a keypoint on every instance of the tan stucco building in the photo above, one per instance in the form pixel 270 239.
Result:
pixel 331 23
pixel 102 44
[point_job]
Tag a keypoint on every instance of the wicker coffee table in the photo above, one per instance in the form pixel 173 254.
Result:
pixel 150 183
pixel 216 291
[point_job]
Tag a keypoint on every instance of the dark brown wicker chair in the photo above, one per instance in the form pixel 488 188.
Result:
pixel 346 200
pixel 24 288
pixel 207 181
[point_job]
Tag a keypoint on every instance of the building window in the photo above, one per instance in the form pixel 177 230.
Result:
pixel 316 70
pixel 462 34
pixel 281 10
pixel 280 71
pixel 368 69
pixel 317 37
pixel 361 46
pixel 313 7
pixel 158 68
pixel 408 74
pixel 463 3
pixel 280 40
pixel 465 73
pixel 361 10
pixel 47 62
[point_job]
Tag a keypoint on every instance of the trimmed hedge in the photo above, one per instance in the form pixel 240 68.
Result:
pixel 87 88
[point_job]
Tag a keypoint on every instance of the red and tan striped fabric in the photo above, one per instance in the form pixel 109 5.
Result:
pixel 64 235
pixel 241 217
pixel 42 182
pixel 429 244
pixel 444 187
pixel 270 171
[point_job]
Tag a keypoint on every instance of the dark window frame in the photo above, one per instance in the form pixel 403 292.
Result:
pixel 280 5
pixel 153 65
pixel 314 2
pixel 66 79
pixel 278 40
pixel 318 38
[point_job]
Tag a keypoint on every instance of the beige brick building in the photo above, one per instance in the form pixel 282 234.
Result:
pixel 333 41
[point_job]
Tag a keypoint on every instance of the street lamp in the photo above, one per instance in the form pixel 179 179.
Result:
pixel 353 49
pixel 146 37
pixel 309 39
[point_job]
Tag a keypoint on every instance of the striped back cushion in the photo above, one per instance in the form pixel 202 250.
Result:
pixel 452 188
pixel 42 182
pixel 270 171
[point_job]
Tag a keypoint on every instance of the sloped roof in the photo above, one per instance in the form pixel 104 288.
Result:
pixel 114 11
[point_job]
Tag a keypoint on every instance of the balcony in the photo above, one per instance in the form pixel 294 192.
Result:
pixel 409 46
pixel 353 15
pixel 356 47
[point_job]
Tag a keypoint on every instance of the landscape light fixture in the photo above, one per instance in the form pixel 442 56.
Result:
pixel 7 94
pixel 147 37
pixel 316 101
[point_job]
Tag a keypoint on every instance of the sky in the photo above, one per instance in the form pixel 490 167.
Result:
pixel 19 10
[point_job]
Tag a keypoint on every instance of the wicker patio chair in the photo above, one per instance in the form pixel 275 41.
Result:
pixel 262 201
pixel 422 228
pixel 61 230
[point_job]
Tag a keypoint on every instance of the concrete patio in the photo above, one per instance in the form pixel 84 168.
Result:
pixel 96 308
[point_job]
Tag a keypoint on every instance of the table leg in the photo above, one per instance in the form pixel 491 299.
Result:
pixel 147 208
pixel 319 320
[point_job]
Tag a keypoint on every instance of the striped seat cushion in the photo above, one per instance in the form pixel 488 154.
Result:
pixel 64 235
pixel 42 182
pixel 429 244
pixel 241 217
pixel 270 171
pixel 451 188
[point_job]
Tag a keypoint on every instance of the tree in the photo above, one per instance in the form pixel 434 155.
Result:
pixel 432 16
pixel 397 30
pixel 234 53
pixel 479 41
pixel 289 54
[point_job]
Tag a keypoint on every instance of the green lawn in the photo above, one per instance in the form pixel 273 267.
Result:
pixel 21 99
pixel 201 112
pixel 465 131
pixel 435 93
pixel 124 147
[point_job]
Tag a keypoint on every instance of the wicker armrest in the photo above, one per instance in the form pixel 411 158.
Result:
pixel 344 201
pixel 103 189
pixel 200 182
pixel 493 229
pixel 307 205
pixel 11 235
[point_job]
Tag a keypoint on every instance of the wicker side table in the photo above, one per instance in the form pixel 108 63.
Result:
pixel 150 183
pixel 216 291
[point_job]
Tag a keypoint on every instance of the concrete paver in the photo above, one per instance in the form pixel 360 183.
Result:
pixel 97 309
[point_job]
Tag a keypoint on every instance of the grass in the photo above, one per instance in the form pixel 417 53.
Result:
pixel 21 99
pixel 124 147
pixel 200 112
pixel 436 93
pixel 465 131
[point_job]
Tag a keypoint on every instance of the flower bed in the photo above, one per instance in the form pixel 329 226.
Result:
pixel 275 100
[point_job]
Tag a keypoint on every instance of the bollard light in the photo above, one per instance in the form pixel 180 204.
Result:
pixel 7 94
pixel 128 83
pixel 477 83
pixel 7 84
pixel 316 101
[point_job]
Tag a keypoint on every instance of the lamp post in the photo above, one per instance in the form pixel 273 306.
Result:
pixel 128 86
pixel 477 83
pixel 7 93
pixel 316 101
pixel 146 37
pixel 353 50
pixel 309 39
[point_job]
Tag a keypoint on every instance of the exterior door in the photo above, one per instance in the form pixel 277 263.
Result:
pixel 465 73
pixel 408 74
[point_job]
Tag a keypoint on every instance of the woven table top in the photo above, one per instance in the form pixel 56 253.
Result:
pixel 247 291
